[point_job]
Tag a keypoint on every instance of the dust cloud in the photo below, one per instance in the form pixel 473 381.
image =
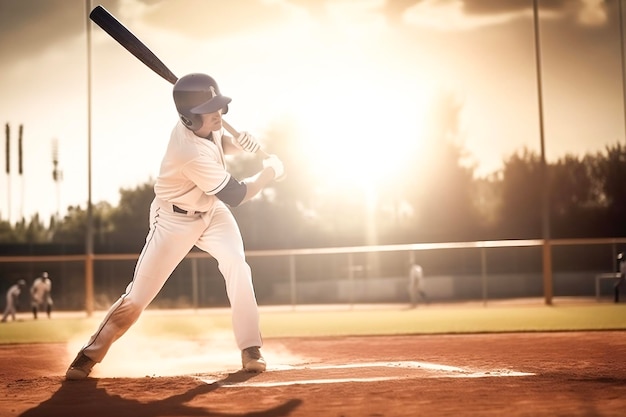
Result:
pixel 136 355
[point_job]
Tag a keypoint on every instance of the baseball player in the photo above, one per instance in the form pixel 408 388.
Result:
pixel 13 298
pixel 192 193
pixel 40 295
pixel 622 270
pixel 416 284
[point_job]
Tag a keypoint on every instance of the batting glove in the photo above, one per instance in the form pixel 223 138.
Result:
pixel 247 142
pixel 276 164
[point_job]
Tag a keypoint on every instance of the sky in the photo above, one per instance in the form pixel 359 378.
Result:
pixel 358 76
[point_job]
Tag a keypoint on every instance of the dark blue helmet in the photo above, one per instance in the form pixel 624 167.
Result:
pixel 196 94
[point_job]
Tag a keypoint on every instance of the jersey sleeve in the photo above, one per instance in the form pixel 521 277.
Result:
pixel 234 192
pixel 208 175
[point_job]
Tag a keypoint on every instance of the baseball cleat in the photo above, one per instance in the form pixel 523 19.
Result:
pixel 80 368
pixel 252 360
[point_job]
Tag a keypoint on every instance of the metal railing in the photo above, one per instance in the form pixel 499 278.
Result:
pixel 350 267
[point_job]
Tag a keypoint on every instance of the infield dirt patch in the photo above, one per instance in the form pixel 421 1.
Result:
pixel 517 374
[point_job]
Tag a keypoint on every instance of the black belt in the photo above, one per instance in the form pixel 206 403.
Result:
pixel 181 211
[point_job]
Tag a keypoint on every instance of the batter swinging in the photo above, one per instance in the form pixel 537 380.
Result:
pixel 192 192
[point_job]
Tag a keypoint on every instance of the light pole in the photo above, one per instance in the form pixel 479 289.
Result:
pixel 621 42
pixel 20 168
pixel 57 174
pixel 89 235
pixel 8 170
pixel 545 183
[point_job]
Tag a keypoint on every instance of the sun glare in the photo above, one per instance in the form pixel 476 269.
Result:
pixel 360 135
pixel 358 108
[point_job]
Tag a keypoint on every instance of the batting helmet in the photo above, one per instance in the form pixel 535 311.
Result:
pixel 196 94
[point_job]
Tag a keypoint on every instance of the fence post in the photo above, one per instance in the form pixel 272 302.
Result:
pixel 547 272
pixel 292 280
pixel 351 279
pixel 194 282
pixel 483 267
pixel 89 284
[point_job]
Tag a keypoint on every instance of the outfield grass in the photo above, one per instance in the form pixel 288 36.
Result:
pixel 445 320
pixel 285 322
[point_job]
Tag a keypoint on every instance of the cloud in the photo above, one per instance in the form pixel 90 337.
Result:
pixel 29 27
pixel 202 19
pixel 593 12
pixel 490 7
pixel 455 15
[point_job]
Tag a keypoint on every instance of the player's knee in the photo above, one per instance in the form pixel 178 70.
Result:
pixel 234 266
pixel 129 310
pixel 134 309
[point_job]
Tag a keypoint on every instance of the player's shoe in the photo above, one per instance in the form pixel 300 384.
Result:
pixel 80 368
pixel 252 360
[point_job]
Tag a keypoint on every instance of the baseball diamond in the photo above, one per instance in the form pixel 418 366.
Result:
pixel 513 374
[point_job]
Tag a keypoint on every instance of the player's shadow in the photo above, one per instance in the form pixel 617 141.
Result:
pixel 86 399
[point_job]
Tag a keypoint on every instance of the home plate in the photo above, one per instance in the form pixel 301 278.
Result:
pixel 282 375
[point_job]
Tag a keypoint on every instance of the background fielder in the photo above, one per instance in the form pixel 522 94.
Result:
pixel 13 299
pixel 416 284
pixel 40 295
pixel 192 192
pixel 621 269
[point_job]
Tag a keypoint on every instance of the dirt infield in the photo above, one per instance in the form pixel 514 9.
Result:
pixel 536 374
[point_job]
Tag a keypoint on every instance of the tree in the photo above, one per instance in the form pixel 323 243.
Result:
pixel 7 233
pixel 575 202
pixel 73 229
pixel 126 226
pixel 520 212
pixel 438 183
pixel 33 231
pixel 612 171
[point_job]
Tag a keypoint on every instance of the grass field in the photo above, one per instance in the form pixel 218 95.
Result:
pixel 337 321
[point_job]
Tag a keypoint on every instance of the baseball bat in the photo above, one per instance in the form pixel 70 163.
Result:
pixel 101 16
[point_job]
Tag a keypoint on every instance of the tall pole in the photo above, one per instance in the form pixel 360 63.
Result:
pixel 20 168
pixel 621 41
pixel 545 183
pixel 89 278
pixel 57 175
pixel 8 170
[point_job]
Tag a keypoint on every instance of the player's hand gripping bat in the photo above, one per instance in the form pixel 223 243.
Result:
pixel 100 16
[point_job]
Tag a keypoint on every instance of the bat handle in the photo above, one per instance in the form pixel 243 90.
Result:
pixel 235 134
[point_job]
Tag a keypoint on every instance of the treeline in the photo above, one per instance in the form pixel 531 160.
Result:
pixel 587 199
pixel 437 198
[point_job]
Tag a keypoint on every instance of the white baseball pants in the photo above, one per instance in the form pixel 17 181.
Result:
pixel 10 309
pixel 171 236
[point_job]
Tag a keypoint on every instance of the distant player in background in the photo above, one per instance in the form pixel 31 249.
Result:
pixel 40 295
pixel 13 299
pixel 416 284
pixel 621 268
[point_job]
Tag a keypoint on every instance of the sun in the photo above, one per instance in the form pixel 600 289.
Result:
pixel 359 134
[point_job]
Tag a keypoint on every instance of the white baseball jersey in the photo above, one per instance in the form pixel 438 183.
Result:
pixel 193 170
pixel 40 291
pixel 13 294
pixel 416 275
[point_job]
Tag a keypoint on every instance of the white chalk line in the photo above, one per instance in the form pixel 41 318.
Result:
pixel 432 370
